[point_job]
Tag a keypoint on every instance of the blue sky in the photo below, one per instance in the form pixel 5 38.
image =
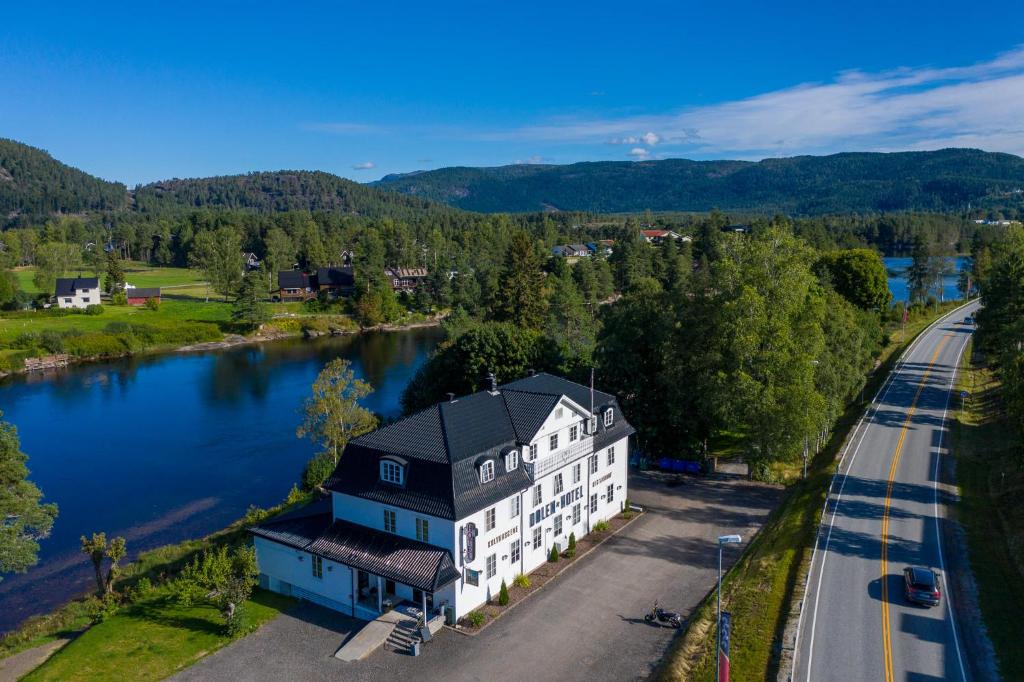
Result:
pixel 143 91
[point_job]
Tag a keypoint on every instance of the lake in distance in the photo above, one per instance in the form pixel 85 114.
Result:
pixel 164 448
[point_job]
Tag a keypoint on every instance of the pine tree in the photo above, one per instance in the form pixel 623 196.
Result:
pixel 26 519
pixel 249 307
pixel 503 594
pixel 115 273
pixel 521 296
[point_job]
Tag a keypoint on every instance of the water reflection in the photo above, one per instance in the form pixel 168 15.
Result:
pixel 162 448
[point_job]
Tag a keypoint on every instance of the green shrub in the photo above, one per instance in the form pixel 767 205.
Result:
pixel 553 554
pixel 153 304
pixel 317 470
pixel 601 527
pixel 475 618
pixel 571 549
pixel 143 586
pixel 522 581
pixel 96 344
pixel 94 309
pixel 503 594
pixel 119 298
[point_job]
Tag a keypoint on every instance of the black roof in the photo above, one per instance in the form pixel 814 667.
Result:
pixel 311 529
pixel 443 445
pixel 336 277
pixel 68 286
pixel 143 292
pixel 292 279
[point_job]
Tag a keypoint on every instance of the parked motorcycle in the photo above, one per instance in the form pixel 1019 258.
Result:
pixel 662 616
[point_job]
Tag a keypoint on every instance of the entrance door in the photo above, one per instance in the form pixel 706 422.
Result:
pixel 363 584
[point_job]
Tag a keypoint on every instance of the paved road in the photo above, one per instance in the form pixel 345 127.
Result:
pixel 887 510
pixel 588 623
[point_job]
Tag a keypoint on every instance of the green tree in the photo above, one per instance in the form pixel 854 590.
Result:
pixel 115 273
pixel 97 549
pixel 503 594
pixel 218 254
pixel 522 298
pixel 250 307
pixel 279 252
pixel 332 415
pixel 222 577
pixel 920 275
pixel 8 289
pixel 53 260
pixel 26 519
pixel 859 275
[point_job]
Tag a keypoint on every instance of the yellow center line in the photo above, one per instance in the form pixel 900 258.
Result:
pixel 886 634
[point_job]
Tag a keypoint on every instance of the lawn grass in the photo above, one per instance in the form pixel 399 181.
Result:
pixel 136 273
pixel 759 589
pixel 151 639
pixel 991 509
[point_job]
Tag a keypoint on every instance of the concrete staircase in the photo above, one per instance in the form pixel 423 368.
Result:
pixel 404 635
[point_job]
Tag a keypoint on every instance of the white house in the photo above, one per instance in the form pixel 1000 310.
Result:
pixel 80 292
pixel 441 506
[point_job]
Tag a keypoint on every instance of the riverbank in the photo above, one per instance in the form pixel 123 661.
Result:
pixel 29 339
pixel 762 589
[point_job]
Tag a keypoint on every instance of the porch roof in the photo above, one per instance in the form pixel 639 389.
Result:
pixel 417 564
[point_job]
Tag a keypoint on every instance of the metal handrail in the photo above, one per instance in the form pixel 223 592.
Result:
pixel 571 453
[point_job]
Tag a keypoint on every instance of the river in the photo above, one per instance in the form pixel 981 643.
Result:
pixel 164 448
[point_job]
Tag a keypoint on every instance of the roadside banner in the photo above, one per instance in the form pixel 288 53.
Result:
pixel 723 653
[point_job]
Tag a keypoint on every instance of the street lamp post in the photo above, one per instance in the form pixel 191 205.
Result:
pixel 722 541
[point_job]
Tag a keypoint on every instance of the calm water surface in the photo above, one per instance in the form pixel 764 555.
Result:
pixel 897 268
pixel 166 448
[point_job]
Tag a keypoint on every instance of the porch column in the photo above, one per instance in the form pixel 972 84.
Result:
pixel 355 590
pixel 380 595
pixel 423 594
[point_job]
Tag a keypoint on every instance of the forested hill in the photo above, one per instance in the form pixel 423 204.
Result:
pixel 33 184
pixel 280 191
pixel 944 180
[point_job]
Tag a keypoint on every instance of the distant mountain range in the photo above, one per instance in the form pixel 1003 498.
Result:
pixel 944 180
pixel 34 185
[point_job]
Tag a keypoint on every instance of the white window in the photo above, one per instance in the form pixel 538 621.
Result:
pixel 86 299
pixel 318 566
pixel 593 464
pixel 574 432
pixel 514 512
pixel 391 471
pixel 390 525
pixel 609 417
pixel 611 492
pixel 576 473
pixel 593 503
pixel 512 460
pixel 611 455
pixel 67 300
pixel 489 519
pixel 537 537
pixel 537 497
pixel 558 525
pixel 492 565
pixel 513 552
pixel 553 442
pixel 533 452
pixel 487 471
pixel 422 530
pixel 576 513
pixel 558 413
pixel 558 484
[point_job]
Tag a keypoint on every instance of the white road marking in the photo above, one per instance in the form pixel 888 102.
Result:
pixel 873 410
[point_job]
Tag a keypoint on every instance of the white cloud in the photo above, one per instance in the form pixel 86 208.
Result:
pixel 639 153
pixel 908 108
pixel 535 159
pixel 366 165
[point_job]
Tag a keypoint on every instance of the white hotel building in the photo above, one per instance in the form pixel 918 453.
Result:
pixel 441 506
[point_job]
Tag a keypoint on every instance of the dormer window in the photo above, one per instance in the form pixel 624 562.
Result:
pixel 609 417
pixel 487 471
pixel 392 472
pixel 512 460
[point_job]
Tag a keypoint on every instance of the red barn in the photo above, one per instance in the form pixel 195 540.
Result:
pixel 139 295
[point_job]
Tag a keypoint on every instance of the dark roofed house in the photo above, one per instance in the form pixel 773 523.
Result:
pixel 440 507
pixel 295 285
pixel 139 295
pixel 77 292
pixel 405 279
pixel 336 281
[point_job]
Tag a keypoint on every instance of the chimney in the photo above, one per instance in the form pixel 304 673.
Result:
pixel 493 382
pixel 451 397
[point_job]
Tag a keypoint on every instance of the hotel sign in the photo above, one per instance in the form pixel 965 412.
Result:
pixel 504 536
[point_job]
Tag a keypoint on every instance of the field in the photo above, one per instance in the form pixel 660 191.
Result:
pixel 991 482
pixel 137 274
pixel 758 590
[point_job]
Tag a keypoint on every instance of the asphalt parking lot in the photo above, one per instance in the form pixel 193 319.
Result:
pixel 587 623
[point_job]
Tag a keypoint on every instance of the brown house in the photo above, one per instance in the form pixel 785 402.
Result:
pixel 138 295
pixel 405 279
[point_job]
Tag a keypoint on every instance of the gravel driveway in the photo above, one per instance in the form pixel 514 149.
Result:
pixel 587 623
